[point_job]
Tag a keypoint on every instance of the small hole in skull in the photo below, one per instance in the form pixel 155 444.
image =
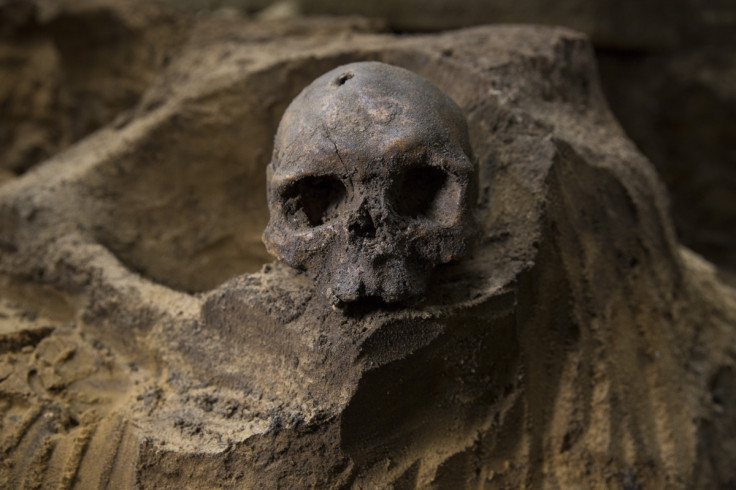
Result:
pixel 419 190
pixel 313 201
pixel 344 78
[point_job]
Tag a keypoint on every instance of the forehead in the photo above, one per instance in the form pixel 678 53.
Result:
pixel 376 114
pixel 376 151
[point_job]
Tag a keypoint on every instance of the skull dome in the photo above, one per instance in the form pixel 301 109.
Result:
pixel 372 184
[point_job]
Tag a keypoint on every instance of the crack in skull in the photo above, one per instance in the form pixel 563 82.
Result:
pixel 371 204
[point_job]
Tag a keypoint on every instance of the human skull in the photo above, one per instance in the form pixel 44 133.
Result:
pixel 372 184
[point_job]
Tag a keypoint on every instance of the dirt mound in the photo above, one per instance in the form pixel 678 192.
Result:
pixel 578 347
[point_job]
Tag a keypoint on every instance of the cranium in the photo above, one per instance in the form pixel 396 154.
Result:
pixel 371 184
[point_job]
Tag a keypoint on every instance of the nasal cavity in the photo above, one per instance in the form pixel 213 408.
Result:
pixel 362 226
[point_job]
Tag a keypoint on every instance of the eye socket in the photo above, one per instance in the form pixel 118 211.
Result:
pixel 418 191
pixel 423 191
pixel 313 201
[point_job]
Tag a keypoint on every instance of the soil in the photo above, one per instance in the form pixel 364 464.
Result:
pixel 148 340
